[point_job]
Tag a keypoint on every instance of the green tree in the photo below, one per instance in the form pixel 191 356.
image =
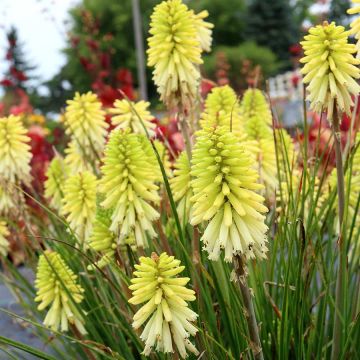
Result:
pixel 228 16
pixel 17 83
pixel 337 11
pixel 271 24
pixel 105 28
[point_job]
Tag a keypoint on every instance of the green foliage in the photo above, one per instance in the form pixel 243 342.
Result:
pixel 271 24
pixel 236 55
pixel 338 11
pixel 293 289
pixel 229 17
pixel 111 27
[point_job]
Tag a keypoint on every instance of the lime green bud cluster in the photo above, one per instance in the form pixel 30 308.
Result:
pixel 355 25
pixel 164 157
pixel 203 29
pixel 257 120
pixel 126 114
pixel 180 186
pixel 330 68
pixel 175 52
pixel 4 244
pixel 57 286
pixel 128 184
pixel 79 203
pixel 222 109
pixel 254 103
pixel 15 152
pixel 166 309
pixel 56 174
pixel 223 185
pixel 85 123
pixel 102 239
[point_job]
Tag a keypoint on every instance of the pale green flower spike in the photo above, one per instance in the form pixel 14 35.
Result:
pixel 257 121
pixel 126 115
pixel 175 52
pixel 222 108
pixel 102 239
pixel 79 204
pixel 224 183
pixel 203 29
pixel 166 297
pixel 330 68
pixel 15 152
pixel 4 244
pixel 128 183
pixel 57 286
pixel 355 25
pixel 181 188
pixel 85 123
pixel 56 174
pixel 77 161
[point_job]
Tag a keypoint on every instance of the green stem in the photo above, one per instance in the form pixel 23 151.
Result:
pixel 339 296
pixel 241 279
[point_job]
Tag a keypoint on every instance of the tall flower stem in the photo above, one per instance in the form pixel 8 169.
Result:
pixel 241 279
pixel 185 130
pixel 339 296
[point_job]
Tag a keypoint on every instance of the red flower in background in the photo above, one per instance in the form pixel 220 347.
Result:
pixel 6 82
pixel 42 154
pixel 320 136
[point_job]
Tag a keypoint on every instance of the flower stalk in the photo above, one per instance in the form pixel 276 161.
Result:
pixel 339 297
pixel 241 280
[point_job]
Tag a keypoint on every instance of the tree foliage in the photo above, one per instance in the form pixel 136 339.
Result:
pixel 271 24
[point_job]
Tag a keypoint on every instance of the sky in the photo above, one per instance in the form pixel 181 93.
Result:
pixel 41 26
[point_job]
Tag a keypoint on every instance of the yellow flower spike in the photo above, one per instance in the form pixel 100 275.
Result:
pixel 289 175
pixel 77 161
pixel 11 199
pixel 330 68
pixel 287 154
pixel 85 123
pixel 128 184
pixel 15 154
pixel 79 204
pixel 56 174
pixel 352 177
pixel 254 103
pixel 164 157
pixel 221 109
pixel 224 180
pixel 169 319
pixel 257 119
pixel 203 29
pixel 55 281
pixel 180 186
pixel 175 53
pixel 355 24
pixel 4 244
pixel 126 115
